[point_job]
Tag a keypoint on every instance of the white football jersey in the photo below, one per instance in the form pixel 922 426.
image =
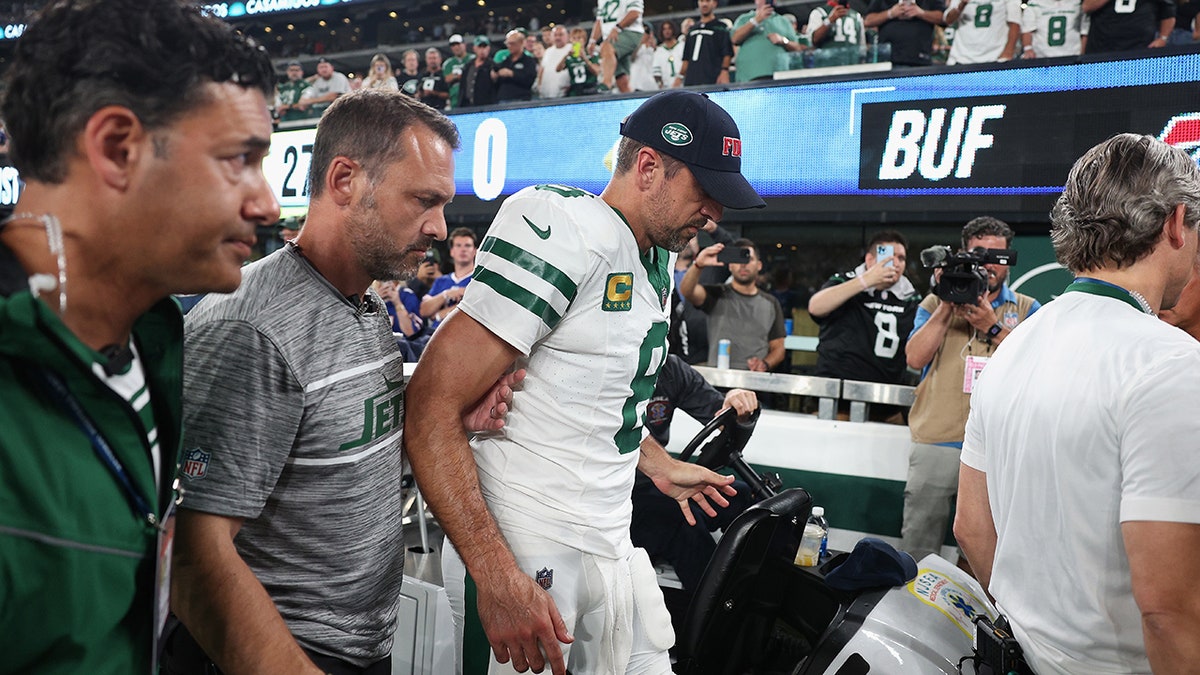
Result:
pixel 1055 26
pixel 560 278
pixel 981 31
pixel 611 11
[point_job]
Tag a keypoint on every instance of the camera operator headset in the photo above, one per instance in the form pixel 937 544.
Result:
pixel 951 343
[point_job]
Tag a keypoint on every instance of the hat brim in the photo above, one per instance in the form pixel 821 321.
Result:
pixel 729 188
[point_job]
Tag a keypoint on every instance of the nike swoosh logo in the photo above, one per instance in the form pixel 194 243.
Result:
pixel 544 234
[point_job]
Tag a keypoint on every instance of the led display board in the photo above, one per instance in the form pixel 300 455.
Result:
pixel 245 8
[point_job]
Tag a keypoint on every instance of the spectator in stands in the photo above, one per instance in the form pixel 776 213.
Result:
pixel 325 87
pixel 618 31
pixel 432 89
pixel 866 315
pixel 1187 29
pixel 764 40
pixel 1121 25
pixel 685 26
pixel 835 24
pixel 514 77
pixel 129 196
pixel 1079 463
pixel 907 25
pixel 1186 313
pixel 448 289
pixel 289 228
pixel 658 525
pixel 477 86
pixel 750 319
pixel 708 49
pixel 289 94
pixel 583 69
pixel 422 280
pixel 453 67
pixel 553 82
pixel 379 74
pixel 641 64
pixel 406 327
pixel 984 32
pixel 1052 28
pixel 951 343
pixel 668 58
pixel 409 76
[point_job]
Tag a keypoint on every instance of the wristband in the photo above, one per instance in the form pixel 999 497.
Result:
pixel 754 21
pixel 1164 38
pixel 994 330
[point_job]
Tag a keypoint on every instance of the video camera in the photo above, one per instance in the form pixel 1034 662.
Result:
pixel 964 278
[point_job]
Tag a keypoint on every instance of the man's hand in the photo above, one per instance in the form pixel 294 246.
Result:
pixel 489 413
pixel 837 13
pixel 522 624
pixel 881 275
pixel 744 401
pixel 684 482
pixel 756 364
pixel 708 257
pixel 980 315
pixel 763 13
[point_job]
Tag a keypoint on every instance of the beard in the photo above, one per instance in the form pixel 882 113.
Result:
pixel 659 227
pixel 375 250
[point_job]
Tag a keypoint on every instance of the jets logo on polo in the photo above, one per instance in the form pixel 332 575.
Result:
pixel 195 463
pixel 545 578
pixel 618 293
pixel 731 147
pixel 1183 132
pixel 677 134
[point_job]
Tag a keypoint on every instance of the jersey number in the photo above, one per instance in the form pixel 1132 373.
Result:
pixel 983 16
pixel 651 355
pixel 696 49
pixel 1124 6
pixel 608 13
pixel 887 340
pixel 1056 31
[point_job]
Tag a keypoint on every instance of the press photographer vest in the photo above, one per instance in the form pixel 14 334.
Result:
pixel 939 413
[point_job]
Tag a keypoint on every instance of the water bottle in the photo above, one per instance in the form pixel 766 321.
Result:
pixel 818 518
pixel 723 354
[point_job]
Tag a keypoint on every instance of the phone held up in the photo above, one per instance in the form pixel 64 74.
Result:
pixel 735 255
pixel 884 251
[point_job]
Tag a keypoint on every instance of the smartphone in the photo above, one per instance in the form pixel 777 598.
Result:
pixel 883 251
pixel 734 255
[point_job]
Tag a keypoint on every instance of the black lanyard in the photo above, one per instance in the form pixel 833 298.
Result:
pixel 58 390
pixel 1106 289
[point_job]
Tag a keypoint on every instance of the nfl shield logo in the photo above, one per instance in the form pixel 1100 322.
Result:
pixel 195 463
pixel 545 578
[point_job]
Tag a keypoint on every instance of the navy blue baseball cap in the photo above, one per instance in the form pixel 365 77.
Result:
pixel 694 130
pixel 873 563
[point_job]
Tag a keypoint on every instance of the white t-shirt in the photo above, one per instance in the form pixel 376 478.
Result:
pixel 611 11
pixel 667 62
pixel 554 83
pixel 981 31
pixel 1055 26
pixel 641 69
pixel 1084 419
pixel 559 277
pixel 337 82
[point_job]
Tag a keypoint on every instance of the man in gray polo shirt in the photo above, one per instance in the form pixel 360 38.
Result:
pixel 289 552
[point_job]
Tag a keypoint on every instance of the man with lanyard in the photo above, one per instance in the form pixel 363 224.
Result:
pixel 575 287
pixel 123 204
pixel 951 344
pixel 1079 497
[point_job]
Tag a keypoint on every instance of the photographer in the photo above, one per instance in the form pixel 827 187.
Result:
pixel 952 342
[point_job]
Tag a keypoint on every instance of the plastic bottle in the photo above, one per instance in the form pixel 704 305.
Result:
pixel 818 518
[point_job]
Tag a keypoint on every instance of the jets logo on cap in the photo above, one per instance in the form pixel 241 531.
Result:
pixel 677 134
pixel 731 147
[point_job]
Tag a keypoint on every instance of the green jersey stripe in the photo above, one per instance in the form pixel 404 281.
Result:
pixel 536 306
pixel 532 264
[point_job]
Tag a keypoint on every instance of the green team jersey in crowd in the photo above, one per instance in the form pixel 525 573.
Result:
pixel 289 94
pixel 454 66
pixel 583 80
